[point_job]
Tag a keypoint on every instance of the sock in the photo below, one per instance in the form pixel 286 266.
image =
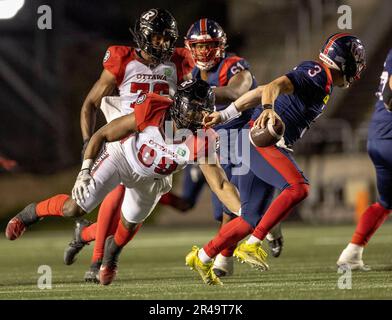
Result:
pixel 228 235
pixel 252 239
pixel 52 206
pixel 123 235
pixel 228 252
pixel 280 207
pixel 88 233
pixel 203 256
pixel 108 217
pixel 370 221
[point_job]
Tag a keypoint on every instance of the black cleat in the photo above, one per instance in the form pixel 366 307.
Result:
pixel 276 246
pixel 108 269
pixel 92 275
pixel 18 224
pixel 77 243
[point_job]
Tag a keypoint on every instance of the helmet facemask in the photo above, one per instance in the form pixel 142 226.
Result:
pixel 149 26
pixel 190 106
pixel 211 56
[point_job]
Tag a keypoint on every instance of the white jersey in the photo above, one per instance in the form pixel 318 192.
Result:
pixel 135 78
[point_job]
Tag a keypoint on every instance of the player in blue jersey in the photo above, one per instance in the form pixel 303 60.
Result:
pixel 297 98
pixel 380 151
pixel 230 77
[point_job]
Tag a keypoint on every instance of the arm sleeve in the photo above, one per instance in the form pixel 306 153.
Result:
pixel 150 109
pixel 231 67
pixel 115 61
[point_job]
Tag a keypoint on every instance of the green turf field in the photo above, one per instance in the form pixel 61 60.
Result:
pixel 152 267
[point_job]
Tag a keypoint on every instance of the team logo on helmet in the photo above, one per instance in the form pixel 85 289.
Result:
pixel 156 22
pixel 107 56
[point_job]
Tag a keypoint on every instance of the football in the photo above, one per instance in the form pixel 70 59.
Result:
pixel 268 136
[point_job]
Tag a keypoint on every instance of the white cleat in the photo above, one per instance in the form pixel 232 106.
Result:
pixel 223 266
pixel 351 258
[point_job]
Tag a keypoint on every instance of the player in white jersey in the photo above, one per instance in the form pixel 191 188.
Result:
pixel 154 66
pixel 143 158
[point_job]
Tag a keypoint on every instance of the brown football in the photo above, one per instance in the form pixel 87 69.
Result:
pixel 268 136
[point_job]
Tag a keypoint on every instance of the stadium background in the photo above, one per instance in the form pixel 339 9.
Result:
pixel 46 74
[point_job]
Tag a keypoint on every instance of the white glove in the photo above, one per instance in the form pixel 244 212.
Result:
pixel 84 180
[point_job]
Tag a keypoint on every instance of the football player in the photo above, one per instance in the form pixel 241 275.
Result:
pixel 297 98
pixel 140 150
pixel 230 76
pixel 379 147
pixel 155 65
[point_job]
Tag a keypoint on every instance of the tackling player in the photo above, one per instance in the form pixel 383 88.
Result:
pixel 298 98
pixel 379 147
pixel 161 137
pixel 154 66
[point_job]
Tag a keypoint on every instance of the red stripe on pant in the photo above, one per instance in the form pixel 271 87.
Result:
pixel 282 164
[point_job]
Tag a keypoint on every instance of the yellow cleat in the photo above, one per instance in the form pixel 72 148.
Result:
pixel 205 269
pixel 252 254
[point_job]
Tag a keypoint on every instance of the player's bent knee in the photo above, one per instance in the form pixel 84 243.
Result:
pixel 71 209
pixel 301 191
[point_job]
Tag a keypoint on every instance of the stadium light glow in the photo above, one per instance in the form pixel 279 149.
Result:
pixel 9 8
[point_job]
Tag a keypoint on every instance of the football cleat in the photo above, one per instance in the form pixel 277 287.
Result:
pixel 108 269
pixel 18 224
pixel 252 254
pixel 223 266
pixel 204 269
pixel 77 242
pixel 352 260
pixel 92 275
pixel 276 246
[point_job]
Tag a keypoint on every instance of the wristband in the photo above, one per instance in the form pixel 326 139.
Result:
pixel 267 106
pixel 229 113
pixel 87 164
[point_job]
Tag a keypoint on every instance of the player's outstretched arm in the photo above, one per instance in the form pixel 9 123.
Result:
pixel 248 100
pixel 236 87
pixel 221 186
pixel 104 86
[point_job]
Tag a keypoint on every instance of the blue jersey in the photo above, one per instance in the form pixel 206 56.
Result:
pixel 380 126
pixel 220 76
pixel 312 87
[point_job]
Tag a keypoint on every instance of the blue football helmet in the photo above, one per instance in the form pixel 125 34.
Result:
pixel 206 31
pixel 346 53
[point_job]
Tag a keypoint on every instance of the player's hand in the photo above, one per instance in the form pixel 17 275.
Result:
pixel 268 115
pixel 212 119
pixel 80 191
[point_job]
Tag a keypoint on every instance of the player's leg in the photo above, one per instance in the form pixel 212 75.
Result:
pixel 60 205
pixel 237 229
pixel 224 261
pixel 137 205
pixel 276 167
pixel 380 152
pixel 108 217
